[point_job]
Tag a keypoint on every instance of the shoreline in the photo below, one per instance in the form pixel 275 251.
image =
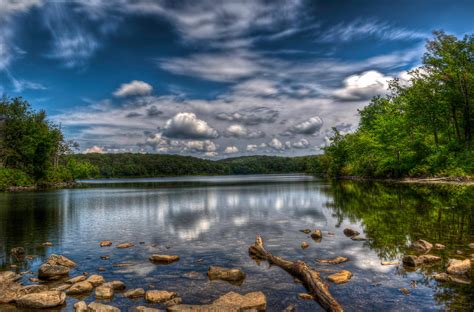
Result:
pixel 36 187
pixel 433 180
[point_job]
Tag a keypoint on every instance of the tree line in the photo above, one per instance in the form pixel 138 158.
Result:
pixel 423 127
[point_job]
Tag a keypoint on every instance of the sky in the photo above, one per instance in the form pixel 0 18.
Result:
pixel 213 78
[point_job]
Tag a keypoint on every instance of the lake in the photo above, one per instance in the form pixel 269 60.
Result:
pixel 213 221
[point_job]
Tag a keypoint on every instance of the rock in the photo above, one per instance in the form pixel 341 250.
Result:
pixel 115 285
pixel 439 246
pixel 101 269
pixel 290 308
pixel 459 267
pixel 159 296
pixel 105 243
pixel 230 275
pixel 8 277
pixel 8 286
pixel 62 287
pixel 125 245
pixel 305 296
pixel 389 263
pixel 317 235
pixel 80 306
pixel 192 275
pixel 173 302
pixel 422 246
pixel 304 245
pixel 350 232
pixel 34 280
pixel 358 238
pixel 18 253
pixel 413 261
pixel 405 291
pixel 104 257
pixel 80 288
pixel 30 289
pixel 443 277
pixel 340 277
pixel 52 272
pixel 336 260
pixel 471 245
pixel 47 244
pixel 163 258
pixel 122 265
pixel 99 307
pixel 42 300
pixel 96 280
pixel 76 279
pixel 306 231
pixel 329 234
pixel 251 301
pixel 147 309
pixel 61 260
pixel 104 292
pixel 134 293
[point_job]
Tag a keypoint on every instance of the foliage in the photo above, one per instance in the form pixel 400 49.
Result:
pixel 423 128
pixel 13 177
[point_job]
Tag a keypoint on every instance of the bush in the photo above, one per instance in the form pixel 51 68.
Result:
pixel 13 177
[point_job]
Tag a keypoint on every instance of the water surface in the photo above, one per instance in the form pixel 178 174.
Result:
pixel 213 221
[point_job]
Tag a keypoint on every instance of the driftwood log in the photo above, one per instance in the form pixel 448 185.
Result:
pixel 299 269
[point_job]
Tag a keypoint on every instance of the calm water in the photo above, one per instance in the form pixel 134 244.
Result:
pixel 213 221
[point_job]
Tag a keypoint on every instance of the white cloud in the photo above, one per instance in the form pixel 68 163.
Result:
pixel 231 150
pixel 301 144
pixel 363 86
pixel 251 148
pixel 94 150
pixel 9 7
pixel 251 116
pixel 188 126
pixel 276 144
pixel 133 88
pixel 309 126
pixel 257 87
pixel 240 131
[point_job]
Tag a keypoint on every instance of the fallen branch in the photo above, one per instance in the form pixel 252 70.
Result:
pixel 299 269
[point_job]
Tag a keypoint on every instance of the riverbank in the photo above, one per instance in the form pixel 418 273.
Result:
pixel 39 187
pixel 432 180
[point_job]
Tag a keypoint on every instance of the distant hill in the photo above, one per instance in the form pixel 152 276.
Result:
pixel 158 165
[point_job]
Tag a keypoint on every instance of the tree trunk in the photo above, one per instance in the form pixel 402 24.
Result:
pixel 299 269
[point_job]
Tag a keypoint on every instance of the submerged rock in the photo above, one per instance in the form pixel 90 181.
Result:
pixel 80 288
pixel 99 307
pixel 413 261
pixel 459 267
pixel 336 260
pixel 317 235
pixel 350 232
pixel 42 300
pixel 159 296
pixel 80 306
pixel 405 291
pixel 125 245
pixel 105 243
pixel 421 246
pixel 115 285
pixel 96 280
pixel 134 293
pixel 304 245
pixel 290 308
pixel 340 277
pixel 358 238
pixel 173 302
pixel 104 292
pixel 147 309
pixel 230 275
pixel 52 272
pixel 163 258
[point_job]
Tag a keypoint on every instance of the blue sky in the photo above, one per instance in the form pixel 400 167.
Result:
pixel 212 78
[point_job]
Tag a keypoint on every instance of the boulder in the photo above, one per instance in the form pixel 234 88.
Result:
pixel 255 301
pixel 459 279
pixel 459 267
pixel 42 300
pixel 163 258
pixel 230 275
pixel 105 243
pixel 80 306
pixel 159 296
pixel 52 272
pixel 413 261
pixel 317 235
pixel 147 309
pixel 173 302
pixel 62 287
pixel 134 293
pixel 76 279
pixel 8 277
pixel 99 307
pixel 104 292
pixel 80 288
pixel 8 286
pixel 340 277
pixel 350 232
pixel 304 245
pixel 18 253
pixel 115 285
pixel 96 280
pixel 471 245
pixel 61 260
pixel 439 246
pixel 125 245
pixel 421 246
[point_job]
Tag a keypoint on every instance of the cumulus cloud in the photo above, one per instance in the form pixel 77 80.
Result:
pixel 240 131
pixel 251 148
pixel 307 127
pixel 363 86
pixel 276 144
pixel 231 150
pixel 94 150
pixel 133 88
pixel 188 126
pixel 251 116
pixel 257 87
pixel 153 111
pixel 301 144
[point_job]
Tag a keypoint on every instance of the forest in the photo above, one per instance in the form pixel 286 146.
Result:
pixel 423 128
